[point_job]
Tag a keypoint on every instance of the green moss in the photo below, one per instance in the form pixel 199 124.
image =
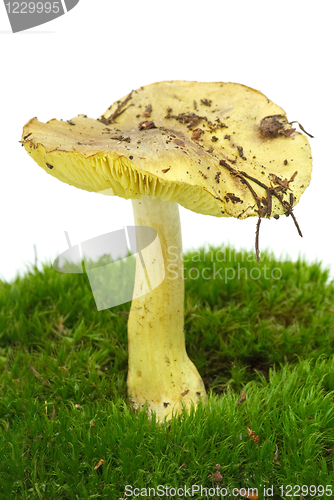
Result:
pixel 267 330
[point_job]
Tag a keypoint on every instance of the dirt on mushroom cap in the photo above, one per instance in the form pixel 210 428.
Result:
pixel 206 146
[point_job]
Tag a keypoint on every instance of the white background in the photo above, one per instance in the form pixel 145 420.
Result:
pixel 98 52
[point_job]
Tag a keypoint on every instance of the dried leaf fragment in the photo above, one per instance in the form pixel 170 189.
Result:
pixel 242 398
pixel 251 434
pixel 217 476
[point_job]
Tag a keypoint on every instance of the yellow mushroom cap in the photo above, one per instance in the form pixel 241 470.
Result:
pixel 219 149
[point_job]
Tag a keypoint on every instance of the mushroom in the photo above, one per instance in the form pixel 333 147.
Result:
pixel 220 149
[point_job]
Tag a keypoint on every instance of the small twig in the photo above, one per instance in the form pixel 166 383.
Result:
pixel 242 179
pixel 296 223
pixel 257 234
pixel 118 111
pixel 290 212
pixel 177 446
pixel 263 211
pixel 302 128
pixel 291 199
pixel 293 177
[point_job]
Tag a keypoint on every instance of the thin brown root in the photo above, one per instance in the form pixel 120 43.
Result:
pixel 240 175
pixel 257 234
pixel 302 128
pixel 265 210
pixel 296 223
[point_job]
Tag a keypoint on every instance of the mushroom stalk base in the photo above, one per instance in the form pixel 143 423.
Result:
pixel 160 372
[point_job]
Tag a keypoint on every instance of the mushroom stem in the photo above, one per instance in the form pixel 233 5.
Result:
pixel 160 372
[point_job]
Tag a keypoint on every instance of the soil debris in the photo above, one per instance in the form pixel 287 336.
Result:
pixel 148 111
pixel 190 118
pixel 120 109
pixel 197 134
pixel 146 125
pixel 274 125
